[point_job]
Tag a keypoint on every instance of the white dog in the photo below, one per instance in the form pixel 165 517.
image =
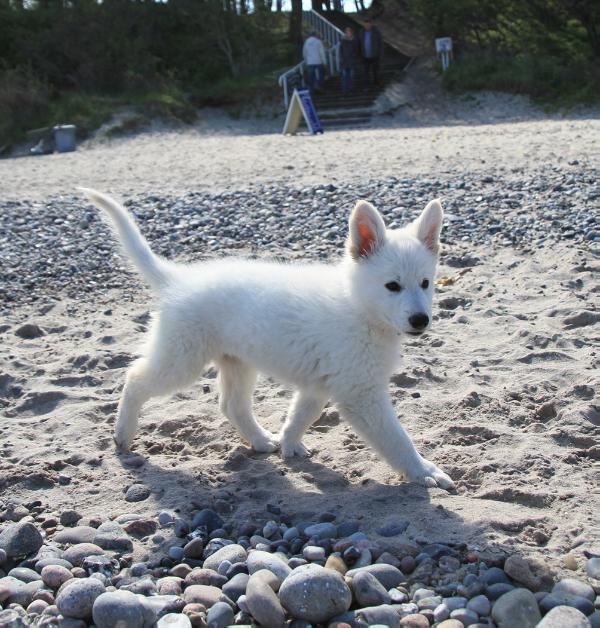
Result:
pixel 332 331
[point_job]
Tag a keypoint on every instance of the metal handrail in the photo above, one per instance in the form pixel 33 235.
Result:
pixel 331 34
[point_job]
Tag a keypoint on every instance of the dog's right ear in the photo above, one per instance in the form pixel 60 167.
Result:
pixel 366 231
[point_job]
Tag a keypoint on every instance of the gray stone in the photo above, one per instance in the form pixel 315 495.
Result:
pixel 44 562
pixel 24 574
pixel 258 560
pixel 233 553
pixel 576 601
pixel 368 591
pixel 440 613
pixel 236 586
pixel 78 534
pixel 55 575
pixel 494 575
pixel 388 575
pixel 202 594
pixel 77 596
pixel 565 617
pixel 429 603
pixel 592 568
pixel 137 493
pixel 69 517
pixel 207 518
pixel 315 594
pixel 262 600
pixel 312 552
pixel 157 606
pixel 321 531
pixel 516 608
pixel 20 539
pixel 111 536
pixel 480 605
pixel 175 620
pixel 455 602
pixel 570 586
pixel 384 615
pixel 466 616
pixel 118 608
pixel 194 549
pixel 393 527
pixel 29 331
pixel 76 554
pixel 594 619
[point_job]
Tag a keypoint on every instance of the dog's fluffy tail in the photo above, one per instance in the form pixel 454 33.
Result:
pixel 156 271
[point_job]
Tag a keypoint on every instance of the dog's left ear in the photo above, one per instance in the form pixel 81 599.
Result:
pixel 428 225
pixel 366 231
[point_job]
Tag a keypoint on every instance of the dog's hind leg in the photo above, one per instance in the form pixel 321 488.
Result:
pixel 236 384
pixel 304 411
pixel 168 366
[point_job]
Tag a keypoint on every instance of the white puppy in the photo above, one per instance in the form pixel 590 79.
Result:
pixel 331 330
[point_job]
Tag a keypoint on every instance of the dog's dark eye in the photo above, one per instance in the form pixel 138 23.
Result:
pixel 393 286
pixel 425 284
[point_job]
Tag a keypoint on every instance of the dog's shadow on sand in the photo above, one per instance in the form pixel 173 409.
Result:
pixel 249 487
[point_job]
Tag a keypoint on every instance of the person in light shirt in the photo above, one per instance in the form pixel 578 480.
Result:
pixel 314 57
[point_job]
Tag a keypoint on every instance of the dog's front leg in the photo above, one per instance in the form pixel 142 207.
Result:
pixel 373 416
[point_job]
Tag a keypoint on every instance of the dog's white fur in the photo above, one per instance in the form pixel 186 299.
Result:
pixel 332 331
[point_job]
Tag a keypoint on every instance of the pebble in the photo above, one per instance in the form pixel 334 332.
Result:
pixel 311 552
pixel 236 587
pixel 24 574
pixel 55 575
pixel 202 594
pixel 207 518
pixel 178 620
pixel 415 620
pixel 137 493
pixel 388 575
pixel 451 623
pixel 78 534
pixel 592 568
pixel 368 591
pixel 480 605
pixel 564 617
pixel 261 599
pixel 466 616
pixel 393 527
pixel 76 554
pixel 118 608
pixel 76 598
pixel 572 587
pixel 233 553
pixel 315 594
pixel 323 530
pixel 258 560
pixel 111 536
pixel 20 539
pixel 516 608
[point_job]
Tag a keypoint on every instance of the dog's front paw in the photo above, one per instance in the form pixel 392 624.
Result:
pixel 123 445
pixel 289 450
pixel 431 476
pixel 266 443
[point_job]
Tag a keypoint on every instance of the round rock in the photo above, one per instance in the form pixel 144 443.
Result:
pixel 570 586
pixel 137 493
pixel 315 594
pixel 563 617
pixel 368 591
pixel 592 568
pixel 258 560
pixel 20 539
pixel 388 575
pixel 118 608
pixel 233 553
pixel 55 575
pixel 262 601
pixel 77 598
pixel 516 608
pixel 76 554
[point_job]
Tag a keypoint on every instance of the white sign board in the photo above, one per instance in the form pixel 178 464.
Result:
pixel 301 105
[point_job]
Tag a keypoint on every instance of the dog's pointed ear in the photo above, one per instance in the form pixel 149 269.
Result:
pixel 428 225
pixel 366 231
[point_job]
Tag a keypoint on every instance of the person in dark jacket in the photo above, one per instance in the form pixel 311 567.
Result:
pixel 371 48
pixel 349 52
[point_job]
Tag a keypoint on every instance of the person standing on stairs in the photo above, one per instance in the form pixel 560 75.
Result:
pixel 371 48
pixel 349 51
pixel 314 57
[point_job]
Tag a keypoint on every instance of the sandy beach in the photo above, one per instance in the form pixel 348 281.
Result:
pixel 502 393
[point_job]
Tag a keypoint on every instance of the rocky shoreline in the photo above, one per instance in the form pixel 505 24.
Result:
pixel 69 571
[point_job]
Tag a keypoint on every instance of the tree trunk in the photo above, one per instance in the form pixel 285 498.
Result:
pixel 279 5
pixel 296 22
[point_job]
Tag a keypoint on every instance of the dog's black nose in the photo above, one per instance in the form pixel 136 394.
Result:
pixel 418 321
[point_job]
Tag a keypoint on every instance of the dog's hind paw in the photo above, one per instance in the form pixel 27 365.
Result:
pixel 289 450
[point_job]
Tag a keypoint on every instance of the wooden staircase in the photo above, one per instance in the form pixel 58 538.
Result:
pixel 337 109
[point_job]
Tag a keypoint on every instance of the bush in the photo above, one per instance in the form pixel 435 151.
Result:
pixel 24 103
pixel 545 79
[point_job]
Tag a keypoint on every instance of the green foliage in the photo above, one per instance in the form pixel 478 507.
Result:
pixel 76 61
pixel 549 49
